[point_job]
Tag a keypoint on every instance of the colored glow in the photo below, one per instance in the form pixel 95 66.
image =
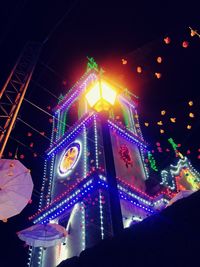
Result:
pixel 101 96
pixel 69 158
pixel 93 96
pixel 152 162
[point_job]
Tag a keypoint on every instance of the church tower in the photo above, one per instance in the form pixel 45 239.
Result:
pixel 95 170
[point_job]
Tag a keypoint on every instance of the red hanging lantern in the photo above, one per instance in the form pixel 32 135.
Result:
pixel 167 40
pixel 31 144
pixel 185 44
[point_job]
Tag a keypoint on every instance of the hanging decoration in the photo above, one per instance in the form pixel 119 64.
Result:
pixel 158 75
pixel 190 103
pixel 167 40
pixel 193 32
pixel 159 59
pixel 163 112
pixel 139 69
pixel 185 44
pixel 191 115
pixel 124 61
pixel 152 162
pixel 173 120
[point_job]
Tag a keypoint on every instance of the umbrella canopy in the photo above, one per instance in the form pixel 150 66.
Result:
pixel 179 195
pixel 43 235
pixel 16 187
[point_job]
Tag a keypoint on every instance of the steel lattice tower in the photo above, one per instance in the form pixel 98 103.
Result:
pixel 14 89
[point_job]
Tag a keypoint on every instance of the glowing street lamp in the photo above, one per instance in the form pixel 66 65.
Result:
pixel 101 96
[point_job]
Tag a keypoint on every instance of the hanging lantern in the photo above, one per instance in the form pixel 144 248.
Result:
pixel 22 156
pixel 162 131
pixel 167 40
pixel 167 150
pixel 48 107
pixel 158 144
pixel 34 155
pixel 159 59
pixel 190 103
pixel 185 44
pixel 124 61
pixel 29 134
pixel 191 115
pixel 173 120
pixel 146 124
pixel 139 69
pixel 189 127
pixel 188 151
pixel 198 156
pixel 163 112
pixel 159 123
pixel 42 133
pixel 158 75
pixel 31 144
pixel 50 120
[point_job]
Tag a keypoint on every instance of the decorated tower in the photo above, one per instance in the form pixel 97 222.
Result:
pixel 95 170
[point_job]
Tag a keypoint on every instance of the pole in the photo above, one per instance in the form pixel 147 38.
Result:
pixel 115 207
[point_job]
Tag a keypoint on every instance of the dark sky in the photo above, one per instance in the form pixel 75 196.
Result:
pixel 108 31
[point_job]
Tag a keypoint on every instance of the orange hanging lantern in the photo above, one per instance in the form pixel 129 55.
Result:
pixel 124 61
pixel 167 40
pixel 189 127
pixel 163 112
pixel 191 115
pixel 159 123
pixel 158 75
pixel 159 59
pixel 146 124
pixel 185 44
pixel 139 69
pixel 190 103
pixel 162 131
pixel 173 120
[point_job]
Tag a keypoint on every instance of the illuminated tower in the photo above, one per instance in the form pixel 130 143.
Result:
pixel 94 173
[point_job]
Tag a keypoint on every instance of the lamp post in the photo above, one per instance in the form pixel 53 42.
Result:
pixel 101 96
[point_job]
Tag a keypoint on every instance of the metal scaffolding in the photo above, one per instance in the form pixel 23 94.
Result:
pixel 14 89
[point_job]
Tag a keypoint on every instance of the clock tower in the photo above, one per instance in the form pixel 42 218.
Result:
pixel 95 169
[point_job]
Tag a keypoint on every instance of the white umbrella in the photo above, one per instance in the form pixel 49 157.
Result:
pixel 180 195
pixel 43 235
pixel 16 187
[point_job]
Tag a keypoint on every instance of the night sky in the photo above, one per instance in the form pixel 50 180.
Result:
pixel 112 33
